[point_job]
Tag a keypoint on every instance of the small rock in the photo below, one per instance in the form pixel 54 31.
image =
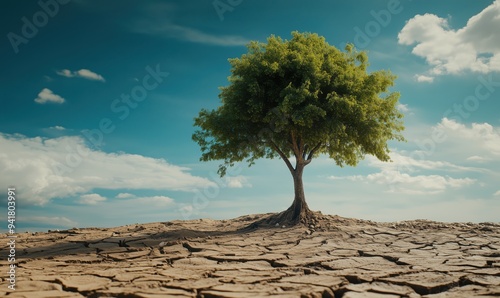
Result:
pixel 311 226
pixel 277 224
pixel 168 243
pixel 283 226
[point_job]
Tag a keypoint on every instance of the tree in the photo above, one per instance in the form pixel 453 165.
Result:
pixel 300 98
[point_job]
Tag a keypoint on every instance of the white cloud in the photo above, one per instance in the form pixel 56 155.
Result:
pixel 82 73
pixel 459 171
pixel 476 158
pixel 125 195
pixel 410 163
pixel 483 136
pixel 87 74
pixel 46 95
pixel 403 108
pixel 169 30
pixel 475 47
pixel 43 169
pixel 159 201
pixel 407 184
pixel 415 172
pixel 420 184
pixel 57 127
pixel 237 182
pixel 91 199
pixel 65 73
pixel 187 209
pixel 424 79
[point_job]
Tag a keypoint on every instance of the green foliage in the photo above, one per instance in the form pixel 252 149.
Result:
pixel 300 97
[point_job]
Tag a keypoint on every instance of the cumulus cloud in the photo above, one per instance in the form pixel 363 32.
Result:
pixel 419 184
pixel 413 173
pixel 475 47
pixel 413 162
pixel 82 73
pixel 435 171
pixel 482 136
pixel 398 175
pixel 497 194
pixel 403 108
pixel 424 79
pixel 57 127
pixel 237 182
pixel 159 201
pixel 47 96
pixel 125 195
pixel 91 199
pixel 47 168
pixel 405 183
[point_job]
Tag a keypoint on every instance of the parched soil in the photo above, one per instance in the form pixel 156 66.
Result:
pixel 336 257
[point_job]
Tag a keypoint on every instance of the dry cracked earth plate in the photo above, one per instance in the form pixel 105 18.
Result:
pixel 338 257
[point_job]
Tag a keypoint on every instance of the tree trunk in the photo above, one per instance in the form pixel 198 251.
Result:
pixel 299 205
pixel 298 212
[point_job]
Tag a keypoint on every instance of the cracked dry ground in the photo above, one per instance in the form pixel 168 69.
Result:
pixel 338 257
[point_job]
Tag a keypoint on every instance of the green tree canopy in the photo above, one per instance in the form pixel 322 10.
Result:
pixel 300 97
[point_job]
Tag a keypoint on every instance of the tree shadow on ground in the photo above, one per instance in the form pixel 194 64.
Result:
pixel 98 241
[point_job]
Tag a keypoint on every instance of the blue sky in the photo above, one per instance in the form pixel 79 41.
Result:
pixel 98 100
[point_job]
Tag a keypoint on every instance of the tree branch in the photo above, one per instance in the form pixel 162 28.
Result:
pixel 283 156
pixel 309 158
pixel 295 146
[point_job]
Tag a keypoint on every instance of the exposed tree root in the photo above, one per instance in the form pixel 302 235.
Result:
pixel 288 218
